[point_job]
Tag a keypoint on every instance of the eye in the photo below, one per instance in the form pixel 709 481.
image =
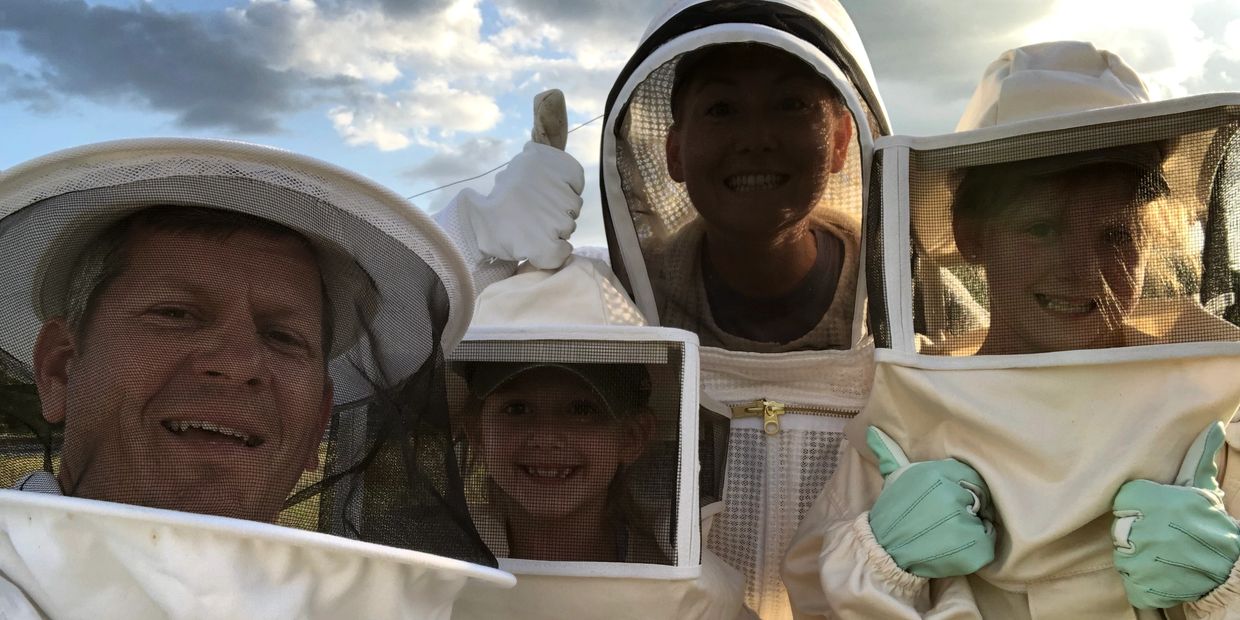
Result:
pixel 1041 230
pixel 284 337
pixel 1117 236
pixel 793 104
pixel 719 109
pixel 516 408
pixel 171 313
pixel 584 409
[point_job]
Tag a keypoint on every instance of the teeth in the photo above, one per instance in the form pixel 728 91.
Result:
pixel 1059 305
pixel 549 472
pixel 754 182
pixel 180 426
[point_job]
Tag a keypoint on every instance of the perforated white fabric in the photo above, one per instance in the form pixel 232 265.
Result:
pixel 773 480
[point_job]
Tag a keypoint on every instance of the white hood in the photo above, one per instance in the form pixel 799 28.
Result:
pixel 646 206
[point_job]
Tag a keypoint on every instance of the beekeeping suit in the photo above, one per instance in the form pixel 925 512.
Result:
pixel 790 396
pixel 257 427
pixel 576 322
pixel 1055 414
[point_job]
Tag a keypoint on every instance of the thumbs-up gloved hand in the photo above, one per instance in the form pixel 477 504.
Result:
pixel 929 516
pixel 531 211
pixel 1174 543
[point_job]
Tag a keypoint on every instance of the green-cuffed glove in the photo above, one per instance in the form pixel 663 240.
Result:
pixel 929 516
pixel 1176 543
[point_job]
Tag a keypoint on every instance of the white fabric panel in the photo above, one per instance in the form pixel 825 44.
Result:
pixel 77 558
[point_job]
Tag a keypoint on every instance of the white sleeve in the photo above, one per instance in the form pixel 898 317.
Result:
pixel 836 569
pixel 485 269
pixel 15 605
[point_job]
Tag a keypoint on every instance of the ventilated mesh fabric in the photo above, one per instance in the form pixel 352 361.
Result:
pixel 713 431
pixel 670 229
pixel 188 364
pixel 1110 235
pixel 774 479
pixel 572 449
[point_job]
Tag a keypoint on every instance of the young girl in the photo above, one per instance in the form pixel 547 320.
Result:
pixel 555 444
pixel 1065 243
pixel 1056 469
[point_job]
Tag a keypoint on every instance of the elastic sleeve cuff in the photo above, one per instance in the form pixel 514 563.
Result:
pixel 882 565
pixel 1222 602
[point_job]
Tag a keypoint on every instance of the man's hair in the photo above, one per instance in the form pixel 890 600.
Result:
pixel 688 64
pixel 106 257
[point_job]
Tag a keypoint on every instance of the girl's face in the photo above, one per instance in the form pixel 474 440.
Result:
pixel 1065 263
pixel 550 442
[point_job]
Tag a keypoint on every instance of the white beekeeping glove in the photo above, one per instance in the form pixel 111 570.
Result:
pixel 533 207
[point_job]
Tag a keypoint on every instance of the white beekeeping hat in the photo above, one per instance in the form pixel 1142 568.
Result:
pixel 1048 79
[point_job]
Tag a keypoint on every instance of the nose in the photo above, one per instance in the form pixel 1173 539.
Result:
pixel 1079 259
pixel 231 352
pixel 755 133
pixel 545 432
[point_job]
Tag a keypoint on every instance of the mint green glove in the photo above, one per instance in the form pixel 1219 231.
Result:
pixel 1176 543
pixel 929 515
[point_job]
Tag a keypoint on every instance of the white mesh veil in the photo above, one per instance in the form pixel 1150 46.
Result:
pixel 652 225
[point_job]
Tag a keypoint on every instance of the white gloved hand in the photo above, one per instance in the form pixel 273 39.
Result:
pixel 532 209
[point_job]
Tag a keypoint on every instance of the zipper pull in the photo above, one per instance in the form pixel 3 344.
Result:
pixel 769 410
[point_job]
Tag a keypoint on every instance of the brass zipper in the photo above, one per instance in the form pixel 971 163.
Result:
pixel 770 412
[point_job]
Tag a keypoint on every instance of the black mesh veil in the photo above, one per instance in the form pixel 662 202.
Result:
pixel 1115 230
pixel 233 331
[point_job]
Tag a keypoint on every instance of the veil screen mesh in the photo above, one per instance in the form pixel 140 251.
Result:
pixel 571 450
pixel 773 187
pixel 1112 235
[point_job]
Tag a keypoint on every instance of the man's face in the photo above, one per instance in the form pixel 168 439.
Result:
pixel 1065 263
pixel 549 441
pixel 758 136
pixel 199 384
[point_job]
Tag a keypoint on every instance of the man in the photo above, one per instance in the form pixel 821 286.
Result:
pixel 190 370
pixel 226 330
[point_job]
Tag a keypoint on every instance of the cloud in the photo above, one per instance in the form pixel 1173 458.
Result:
pixel 175 63
pixel 467 159
pixel 929 58
pixel 16 85
pixel 427 113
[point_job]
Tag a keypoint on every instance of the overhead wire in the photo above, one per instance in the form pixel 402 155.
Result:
pixel 479 176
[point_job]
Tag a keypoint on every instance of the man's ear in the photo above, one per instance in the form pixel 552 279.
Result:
pixel 841 139
pixel 53 354
pixel 637 433
pixel 325 416
pixel 675 167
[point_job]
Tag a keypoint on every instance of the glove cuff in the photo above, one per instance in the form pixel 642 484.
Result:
pixel 1219 600
pixel 882 564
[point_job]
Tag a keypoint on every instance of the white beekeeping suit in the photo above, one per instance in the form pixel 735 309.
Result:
pixel 221 369
pixel 547 336
pixel 1097 250
pixel 791 391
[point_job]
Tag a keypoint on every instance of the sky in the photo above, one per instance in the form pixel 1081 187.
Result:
pixel 420 93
